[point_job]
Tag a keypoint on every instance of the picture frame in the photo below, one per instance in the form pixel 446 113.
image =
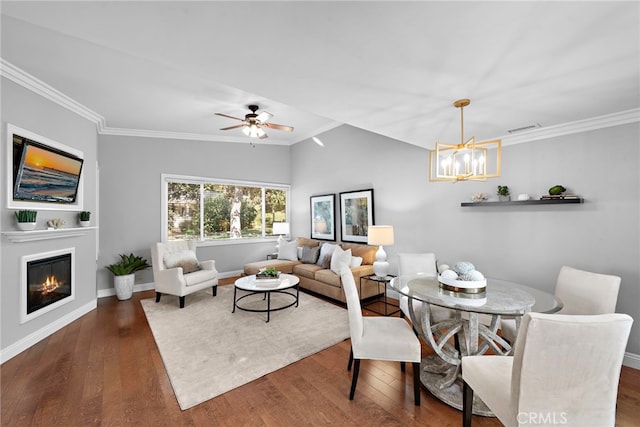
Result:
pixel 323 223
pixel 356 215
pixel 42 174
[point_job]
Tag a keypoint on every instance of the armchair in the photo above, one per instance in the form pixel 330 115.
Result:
pixel 176 270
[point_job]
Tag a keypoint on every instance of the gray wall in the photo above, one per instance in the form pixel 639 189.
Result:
pixel 527 244
pixel 130 186
pixel 31 112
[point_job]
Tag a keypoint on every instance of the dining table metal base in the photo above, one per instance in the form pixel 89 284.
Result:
pixel 434 374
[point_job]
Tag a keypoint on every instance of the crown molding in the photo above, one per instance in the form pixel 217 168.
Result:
pixel 41 88
pixel 600 122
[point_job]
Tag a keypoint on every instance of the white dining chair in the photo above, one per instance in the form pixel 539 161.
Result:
pixel 379 338
pixel 564 371
pixel 581 292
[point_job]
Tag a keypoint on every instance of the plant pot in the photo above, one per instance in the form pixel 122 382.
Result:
pixel 504 198
pixel 26 226
pixel 124 286
pixel 85 223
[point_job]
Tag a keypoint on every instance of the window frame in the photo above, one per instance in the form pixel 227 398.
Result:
pixel 189 179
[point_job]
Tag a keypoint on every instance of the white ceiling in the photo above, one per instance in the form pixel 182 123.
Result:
pixel 393 68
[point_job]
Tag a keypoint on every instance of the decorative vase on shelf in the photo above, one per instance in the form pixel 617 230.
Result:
pixel 26 226
pixel 85 223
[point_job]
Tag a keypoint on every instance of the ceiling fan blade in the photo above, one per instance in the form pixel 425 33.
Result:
pixel 279 127
pixel 228 116
pixel 232 127
pixel 263 136
pixel 264 116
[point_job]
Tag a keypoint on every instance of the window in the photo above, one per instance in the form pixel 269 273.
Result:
pixel 212 210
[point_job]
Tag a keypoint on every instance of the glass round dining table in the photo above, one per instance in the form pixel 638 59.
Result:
pixel 472 323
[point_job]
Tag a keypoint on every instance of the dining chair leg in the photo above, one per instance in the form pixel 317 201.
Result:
pixel 350 359
pixel 354 380
pixel 467 404
pixel 416 383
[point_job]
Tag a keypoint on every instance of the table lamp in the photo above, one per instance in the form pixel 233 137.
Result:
pixel 280 229
pixel 380 235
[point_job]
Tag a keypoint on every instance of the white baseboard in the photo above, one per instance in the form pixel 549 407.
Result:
pixel 631 360
pixel 39 335
pixel 103 293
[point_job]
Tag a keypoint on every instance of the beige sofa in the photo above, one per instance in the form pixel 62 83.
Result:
pixel 320 280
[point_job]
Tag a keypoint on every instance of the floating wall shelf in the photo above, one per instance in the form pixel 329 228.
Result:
pixel 30 236
pixel 523 202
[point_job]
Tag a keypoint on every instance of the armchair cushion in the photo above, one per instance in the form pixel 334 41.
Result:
pixel 185 259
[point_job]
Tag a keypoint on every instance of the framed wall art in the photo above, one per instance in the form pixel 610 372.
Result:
pixel 356 215
pixel 323 224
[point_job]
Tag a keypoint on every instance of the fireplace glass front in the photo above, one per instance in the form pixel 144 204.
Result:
pixel 48 281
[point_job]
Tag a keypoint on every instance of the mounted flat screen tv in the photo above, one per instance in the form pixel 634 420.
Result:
pixel 43 173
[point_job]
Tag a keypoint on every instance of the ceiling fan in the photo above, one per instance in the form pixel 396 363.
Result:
pixel 253 124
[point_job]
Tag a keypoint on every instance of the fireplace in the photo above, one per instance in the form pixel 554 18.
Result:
pixel 47 282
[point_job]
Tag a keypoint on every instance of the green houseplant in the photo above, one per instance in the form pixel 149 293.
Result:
pixel 85 218
pixel 124 273
pixel 503 193
pixel 26 219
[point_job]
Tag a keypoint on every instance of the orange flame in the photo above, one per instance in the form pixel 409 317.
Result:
pixel 49 285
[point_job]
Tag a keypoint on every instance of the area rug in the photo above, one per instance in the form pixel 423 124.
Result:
pixel 208 350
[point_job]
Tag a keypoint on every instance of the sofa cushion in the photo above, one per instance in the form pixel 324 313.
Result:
pixel 340 259
pixel 356 261
pixel 367 252
pixel 303 241
pixel 283 266
pixel 185 259
pixel 329 277
pixel 287 250
pixel 310 254
pixel 324 259
pixel 306 270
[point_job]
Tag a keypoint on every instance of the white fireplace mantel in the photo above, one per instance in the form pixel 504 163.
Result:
pixel 31 236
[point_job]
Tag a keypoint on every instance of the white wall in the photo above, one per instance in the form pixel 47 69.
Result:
pixel 130 185
pixel 30 111
pixel 526 244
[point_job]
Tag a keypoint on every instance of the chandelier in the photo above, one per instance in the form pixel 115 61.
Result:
pixel 467 161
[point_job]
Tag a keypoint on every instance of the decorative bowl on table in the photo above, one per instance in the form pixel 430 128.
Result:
pixel 463 277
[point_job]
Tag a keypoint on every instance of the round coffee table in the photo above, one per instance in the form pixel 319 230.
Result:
pixel 282 285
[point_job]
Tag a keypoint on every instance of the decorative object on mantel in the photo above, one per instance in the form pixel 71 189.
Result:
pixel 26 219
pixel 84 218
pixel 479 197
pixel 124 274
pixel 56 223
pixel 522 197
pixel 503 193
pixel 556 191
pixel 463 277
pixel 468 160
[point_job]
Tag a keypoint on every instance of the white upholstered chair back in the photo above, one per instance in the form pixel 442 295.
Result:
pixel 583 292
pixel 356 324
pixel 158 251
pixel 569 366
pixel 413 263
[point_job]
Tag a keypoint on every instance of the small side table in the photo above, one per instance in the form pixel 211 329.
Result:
pixel 384 280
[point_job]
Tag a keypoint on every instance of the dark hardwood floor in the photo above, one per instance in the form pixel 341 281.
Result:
pixel 105 369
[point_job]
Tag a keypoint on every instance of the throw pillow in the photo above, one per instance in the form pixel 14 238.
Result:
pixel 287 250
pixel 356 261
pixel 325 251
pixel 185 259
pixel 339 259
pixel 310 255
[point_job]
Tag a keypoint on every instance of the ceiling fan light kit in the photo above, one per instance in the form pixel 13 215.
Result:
pixel 253 124
pixel 467 161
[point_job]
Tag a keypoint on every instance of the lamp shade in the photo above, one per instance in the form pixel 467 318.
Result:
pixel 280 228
pixel 380 235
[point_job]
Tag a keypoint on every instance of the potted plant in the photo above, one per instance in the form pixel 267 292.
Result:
pixel 503 193
pixel 26 219
pixel 84 217
pixel 124 274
